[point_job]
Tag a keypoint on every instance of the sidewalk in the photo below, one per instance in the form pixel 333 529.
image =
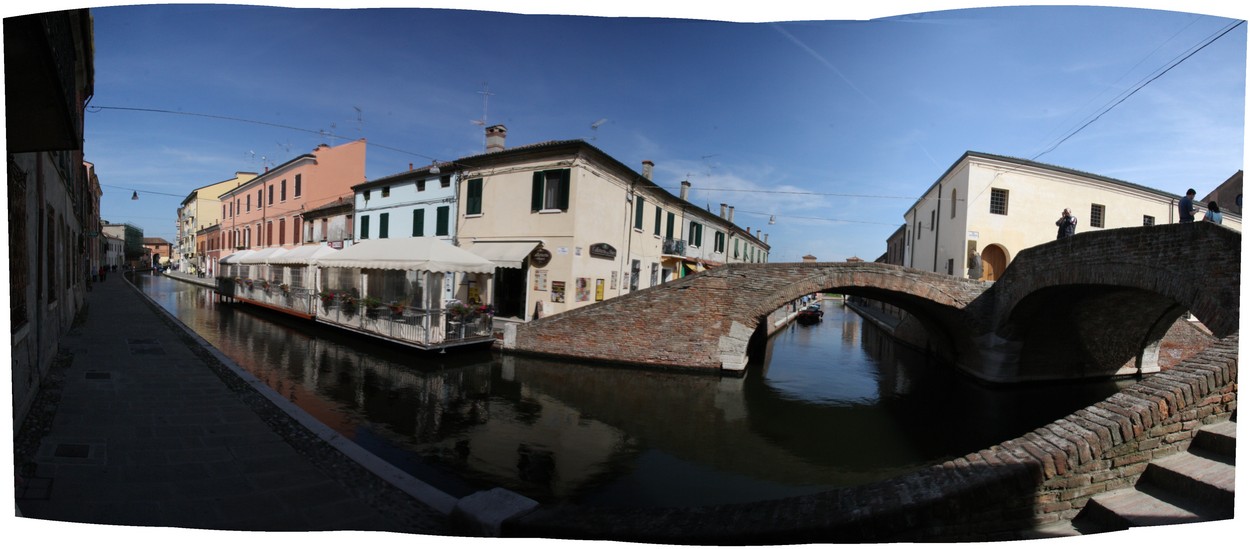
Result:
pixel 142 423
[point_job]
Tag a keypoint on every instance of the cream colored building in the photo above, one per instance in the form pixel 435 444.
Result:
pixel 569 226
pixel 201 209
pixel 996 206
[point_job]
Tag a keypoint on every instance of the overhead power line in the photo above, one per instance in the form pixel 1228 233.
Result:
pixel 1115 102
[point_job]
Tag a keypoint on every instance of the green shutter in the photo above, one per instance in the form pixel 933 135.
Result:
pixel 364 227
pixel 658 221
pixel 418 222
pixel 536 194
pixel 562 200
pixel 473 205
pixel 384 225
pixel 668 232
pixel 441 223
pixel 638 205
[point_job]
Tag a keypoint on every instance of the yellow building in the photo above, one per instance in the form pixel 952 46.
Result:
pixel 996 206
pixel 201 209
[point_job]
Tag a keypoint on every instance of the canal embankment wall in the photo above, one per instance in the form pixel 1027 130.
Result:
pixel 1043 477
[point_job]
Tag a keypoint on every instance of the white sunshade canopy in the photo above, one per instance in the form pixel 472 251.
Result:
pixel 408 254
pixel 303 255
pixel 505 254
pixel 236 257
pixel 261 257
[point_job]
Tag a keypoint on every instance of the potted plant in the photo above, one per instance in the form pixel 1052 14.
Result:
pixel 396 308
pixel 372 304
pixel 286 288
pixel 327 298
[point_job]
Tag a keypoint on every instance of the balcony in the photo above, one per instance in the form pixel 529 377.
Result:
pixel 674 247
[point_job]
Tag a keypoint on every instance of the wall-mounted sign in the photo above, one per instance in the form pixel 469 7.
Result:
pixel 337 244
pixel 540 257
pixel 602 250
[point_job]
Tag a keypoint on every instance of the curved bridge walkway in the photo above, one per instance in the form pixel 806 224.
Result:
pixel 1079 307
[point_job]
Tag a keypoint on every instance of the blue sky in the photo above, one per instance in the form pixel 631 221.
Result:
pixel 833 122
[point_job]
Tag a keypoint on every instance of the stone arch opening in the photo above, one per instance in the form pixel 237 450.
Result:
pixel 940 329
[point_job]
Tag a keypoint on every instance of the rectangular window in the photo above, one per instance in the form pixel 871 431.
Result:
pixel 720 243
pixel 418 222
pixel 932 220
pixel 364 227
pixel 696 234
pixel 998 201
pixel 735 248
pixel 444 181
pixel 249 202
pixel 1097 215
pixel 271 195
pixel 386 192
pixel 283 197
pixel 281 232
pixel 658 220
pixel 420 185
pixel 268 234
pixel 1147 220
pixel 384 221
pixel 550 190
pixel 655 274
pixel 441 226
pixel 366 195
pixel 672 220
pixel 638 211
pixel 260 198
pixel 473 198
pixel 297 185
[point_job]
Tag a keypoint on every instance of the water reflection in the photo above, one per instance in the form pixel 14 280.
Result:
pixel 836 404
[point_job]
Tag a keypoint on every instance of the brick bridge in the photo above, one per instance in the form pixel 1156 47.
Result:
pixel 1080 307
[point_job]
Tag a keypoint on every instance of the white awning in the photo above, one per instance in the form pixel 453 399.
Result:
pixel 505 254
pixel 407 254
pixel 303 255
pixel 261 257
pixel 236 257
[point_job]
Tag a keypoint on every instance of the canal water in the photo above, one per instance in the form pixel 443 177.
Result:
pixel 834 404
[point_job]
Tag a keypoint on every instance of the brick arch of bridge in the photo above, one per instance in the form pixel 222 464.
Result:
pixel 709 320
pixel 1099 303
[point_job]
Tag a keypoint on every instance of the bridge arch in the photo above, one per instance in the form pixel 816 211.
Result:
pixel 1100 303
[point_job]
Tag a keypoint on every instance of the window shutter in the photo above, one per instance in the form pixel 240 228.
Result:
pixel 638 211
pixel 418 222
pixel 658 221
pixel 474 202
pixel 441 222
pixel 536 196
pixel 384 225
pixel 563 198
pixel 364 227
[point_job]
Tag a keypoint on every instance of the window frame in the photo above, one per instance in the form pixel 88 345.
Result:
pixel 1000 199
pixel 541 195
pixel 473 196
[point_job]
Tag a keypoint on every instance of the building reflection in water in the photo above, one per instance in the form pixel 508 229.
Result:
pixel 835 404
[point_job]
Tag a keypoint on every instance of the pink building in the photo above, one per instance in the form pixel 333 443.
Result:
pixel 266 211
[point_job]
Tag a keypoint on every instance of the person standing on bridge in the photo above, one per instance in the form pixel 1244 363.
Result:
pixel 1186 207
pixel 1213 214
pixel 1066 224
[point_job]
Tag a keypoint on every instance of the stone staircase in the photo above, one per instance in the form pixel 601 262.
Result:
pixel 1193 486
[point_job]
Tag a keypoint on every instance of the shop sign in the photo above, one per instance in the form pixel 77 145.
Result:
pixel 540 257
pixel 602 250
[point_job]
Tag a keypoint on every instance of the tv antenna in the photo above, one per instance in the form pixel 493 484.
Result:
pixel 485 103
pixel 360 122
pixel 594 127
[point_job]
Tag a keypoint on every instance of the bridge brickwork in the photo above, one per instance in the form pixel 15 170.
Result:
pixel 1085 306
pixel 1042 478
pixel 707 320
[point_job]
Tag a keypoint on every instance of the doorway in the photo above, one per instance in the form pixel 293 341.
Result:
pixel 994 261
pixel 509 298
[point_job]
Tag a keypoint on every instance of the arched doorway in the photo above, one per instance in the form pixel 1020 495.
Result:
pixel 994 261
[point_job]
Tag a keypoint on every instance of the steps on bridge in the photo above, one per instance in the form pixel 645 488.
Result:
pixel 1193 486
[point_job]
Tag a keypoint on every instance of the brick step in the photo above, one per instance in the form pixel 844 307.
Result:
pixel 1124 509
pixel 1201 477
pixel 1219 438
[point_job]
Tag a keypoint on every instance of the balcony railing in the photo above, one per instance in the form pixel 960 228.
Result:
pixel 674 247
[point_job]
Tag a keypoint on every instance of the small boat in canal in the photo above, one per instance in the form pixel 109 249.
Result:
pixel 810 314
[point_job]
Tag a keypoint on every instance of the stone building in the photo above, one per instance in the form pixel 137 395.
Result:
pixel 996 206
pixel 52 204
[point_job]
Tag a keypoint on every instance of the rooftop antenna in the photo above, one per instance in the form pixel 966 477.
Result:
pixel 485 104
pixel 594 127
pixel 359 121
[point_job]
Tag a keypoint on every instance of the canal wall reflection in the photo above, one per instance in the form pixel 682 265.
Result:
pixel 835 404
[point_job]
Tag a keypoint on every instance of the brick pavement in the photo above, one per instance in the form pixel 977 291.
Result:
pixel 142 423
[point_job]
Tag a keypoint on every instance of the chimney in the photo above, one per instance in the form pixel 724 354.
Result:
pixel 647 168
pixel 685 189
pixel 731 214
pixel 722 210
pixel 495 138
pixel 757 234
pixel 766 238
